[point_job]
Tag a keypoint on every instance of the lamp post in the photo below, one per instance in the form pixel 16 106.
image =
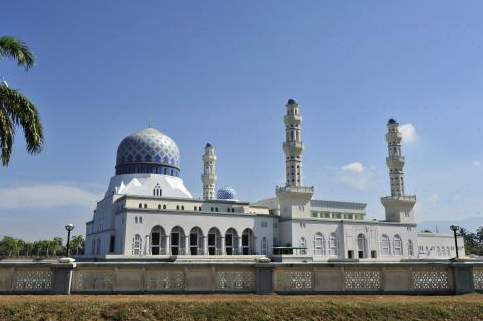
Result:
pixel 68 227
pixel 455 228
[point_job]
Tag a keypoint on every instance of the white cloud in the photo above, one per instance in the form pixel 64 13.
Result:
pixel 355 167
pixel 434 198
pixel 46 196
pixel 356 175
pixel 476 163
pixel 408 132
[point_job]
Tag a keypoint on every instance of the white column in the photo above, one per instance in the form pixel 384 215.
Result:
pixel 223 246
pixel 147 247
pixel 168 245
pixel 187 244
pixel 205 245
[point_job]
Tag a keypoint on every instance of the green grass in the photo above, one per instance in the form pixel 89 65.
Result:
pixel 241 307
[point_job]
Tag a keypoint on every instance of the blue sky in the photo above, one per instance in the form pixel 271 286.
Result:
pixel 221 72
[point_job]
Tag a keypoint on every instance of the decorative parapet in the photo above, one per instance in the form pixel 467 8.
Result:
pixel 294 189
pixel 404 198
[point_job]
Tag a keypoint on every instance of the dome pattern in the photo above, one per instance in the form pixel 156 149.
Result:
pixel 151 148
pixel 226 193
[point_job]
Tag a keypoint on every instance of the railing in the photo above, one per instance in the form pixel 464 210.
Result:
pixel 415 277
pixel 399 198
pixel 299 189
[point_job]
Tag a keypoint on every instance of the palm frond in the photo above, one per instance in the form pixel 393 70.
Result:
pixel 7 132
pixel 17 50
pixel 24 113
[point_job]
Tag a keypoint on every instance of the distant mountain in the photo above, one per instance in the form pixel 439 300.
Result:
pixel 471 224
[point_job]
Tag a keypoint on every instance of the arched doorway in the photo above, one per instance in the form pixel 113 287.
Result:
pixel 214 241
pixel 158 241
pixel 231 242
pixel 361 246
pixel 178 241
pixel 247 242
pixel 196 241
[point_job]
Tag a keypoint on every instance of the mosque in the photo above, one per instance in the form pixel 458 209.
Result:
pixel 147 212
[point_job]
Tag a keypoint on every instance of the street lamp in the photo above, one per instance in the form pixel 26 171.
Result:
pixel 455 228
pixel 68 227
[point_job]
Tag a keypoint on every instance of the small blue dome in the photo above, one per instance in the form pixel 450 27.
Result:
pixel 226 193
pixel 391 121
pixel 291 101
pixel 208 145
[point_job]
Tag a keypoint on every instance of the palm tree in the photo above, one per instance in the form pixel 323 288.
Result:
pixel 15 108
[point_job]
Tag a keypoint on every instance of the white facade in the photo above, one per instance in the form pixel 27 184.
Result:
pixel 147 212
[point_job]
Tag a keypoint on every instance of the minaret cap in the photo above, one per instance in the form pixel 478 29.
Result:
pixel 392 121
pixel 208 145
pixel 291 101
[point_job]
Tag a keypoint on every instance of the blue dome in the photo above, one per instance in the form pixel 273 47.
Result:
pixel 291 101
pixel 391 121
pixel 148 151
pixel 226 193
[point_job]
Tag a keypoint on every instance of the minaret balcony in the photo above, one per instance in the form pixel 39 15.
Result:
pixel 208 178
pixel 399 198
pixel 294 189
pixel 293 148
pixel 292 119
pixel 397 160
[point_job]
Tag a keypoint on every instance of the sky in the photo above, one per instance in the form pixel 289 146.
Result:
pixel 221 72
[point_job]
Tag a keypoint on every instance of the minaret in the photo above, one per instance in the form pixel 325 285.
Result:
pixel 209 175
pixel 293 146
pixel 294 198
pixel 399 206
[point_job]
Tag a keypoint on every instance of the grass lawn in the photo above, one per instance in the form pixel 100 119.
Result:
pixel 241 307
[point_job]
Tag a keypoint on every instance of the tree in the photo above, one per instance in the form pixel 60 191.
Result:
pixel 56 245
pixel 16 109
pixel 77 243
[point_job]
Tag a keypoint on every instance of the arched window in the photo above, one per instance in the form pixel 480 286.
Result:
pixel 178 241
pixel 247 242
pixel 214 241
pixel 199 208
pixel 159 206
pixel 231 242
pixel 385 247
pixel 448 251
pixel 182 207
pixel 145 205
pixel 158 241
pixel 361 246
pixel 196 241
pixel 194 209
pixel 334 245
pixel 319 242
pixel 438 251
pixel 140 219
pixel 233 210
pixel 136 244
pixel 410 248
pixel 398 249
pixel 303 246
pixel 140 205
pixel 177 207
pixel 135 219
pixel 164 206
pixel 216 209
pixel 264 246
pixel 212 209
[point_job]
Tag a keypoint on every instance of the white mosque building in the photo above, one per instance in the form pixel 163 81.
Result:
pixel 147 212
